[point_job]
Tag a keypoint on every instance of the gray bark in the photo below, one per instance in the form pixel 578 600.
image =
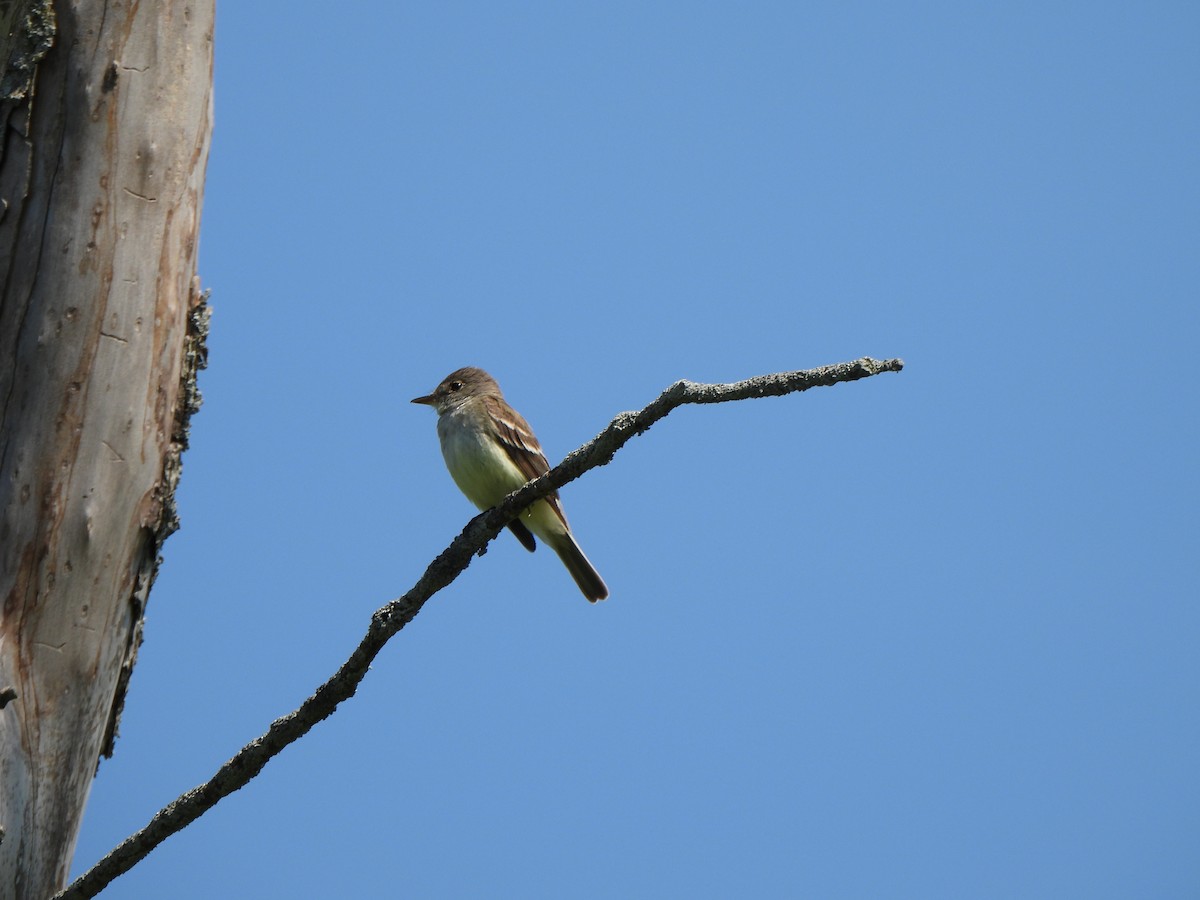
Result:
pixel 102 154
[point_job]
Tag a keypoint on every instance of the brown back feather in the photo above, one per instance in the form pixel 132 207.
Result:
pixel 522 447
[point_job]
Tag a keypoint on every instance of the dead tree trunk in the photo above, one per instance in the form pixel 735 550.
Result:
pixel 103 148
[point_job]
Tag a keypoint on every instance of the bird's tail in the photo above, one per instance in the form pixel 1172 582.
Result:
pixel 581 569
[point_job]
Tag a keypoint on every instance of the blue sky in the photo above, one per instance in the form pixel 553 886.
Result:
pixel 931 635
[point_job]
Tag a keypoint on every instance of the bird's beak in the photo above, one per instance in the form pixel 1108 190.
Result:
pixel 428 400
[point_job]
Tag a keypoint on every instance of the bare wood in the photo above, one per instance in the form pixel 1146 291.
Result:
pixel 101 176
pixel 388 620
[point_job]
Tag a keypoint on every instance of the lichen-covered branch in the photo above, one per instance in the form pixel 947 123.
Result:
pixel 388 620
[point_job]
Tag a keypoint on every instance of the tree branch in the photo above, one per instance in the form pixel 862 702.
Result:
pixel 389 619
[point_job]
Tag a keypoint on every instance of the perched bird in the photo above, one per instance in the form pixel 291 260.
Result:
pixel 491 451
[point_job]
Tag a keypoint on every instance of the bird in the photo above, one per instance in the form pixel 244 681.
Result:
pixel 491 451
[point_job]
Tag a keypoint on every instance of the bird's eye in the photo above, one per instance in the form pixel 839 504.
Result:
pixel 456 385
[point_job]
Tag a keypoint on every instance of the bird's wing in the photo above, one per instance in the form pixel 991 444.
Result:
pixel 522 447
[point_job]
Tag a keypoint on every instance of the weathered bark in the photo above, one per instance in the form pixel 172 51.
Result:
pixel 102 163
